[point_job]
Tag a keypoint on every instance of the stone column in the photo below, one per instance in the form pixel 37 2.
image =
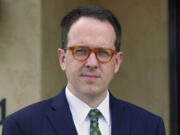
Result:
pixel 20 53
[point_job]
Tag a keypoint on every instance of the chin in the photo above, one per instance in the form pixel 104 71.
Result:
pixel 92 92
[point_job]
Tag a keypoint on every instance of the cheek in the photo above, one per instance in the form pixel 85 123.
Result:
pixel 107 77
pixel 72 66
pixel 108 70
pixel 111 67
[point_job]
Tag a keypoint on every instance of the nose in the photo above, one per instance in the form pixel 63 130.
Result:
pixel 92 62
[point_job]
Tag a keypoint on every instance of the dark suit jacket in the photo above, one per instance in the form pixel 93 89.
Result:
pixel 53 117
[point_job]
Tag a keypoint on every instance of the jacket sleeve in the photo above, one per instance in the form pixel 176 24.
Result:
pixel 10 127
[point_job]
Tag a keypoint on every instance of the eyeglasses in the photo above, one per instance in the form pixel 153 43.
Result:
pixel 82 53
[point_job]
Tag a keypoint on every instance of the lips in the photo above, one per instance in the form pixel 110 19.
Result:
pixel 90 77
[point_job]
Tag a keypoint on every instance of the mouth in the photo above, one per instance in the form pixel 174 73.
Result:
pixel 90 77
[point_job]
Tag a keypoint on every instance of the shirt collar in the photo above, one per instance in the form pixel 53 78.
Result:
pixel 80 109
pixel 104 109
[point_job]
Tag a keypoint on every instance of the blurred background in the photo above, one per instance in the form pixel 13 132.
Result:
pixel 29 39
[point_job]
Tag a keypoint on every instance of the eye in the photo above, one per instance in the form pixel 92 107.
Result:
pixel 81 51
pixel 104 53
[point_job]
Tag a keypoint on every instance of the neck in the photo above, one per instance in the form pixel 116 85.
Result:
pixel 93 101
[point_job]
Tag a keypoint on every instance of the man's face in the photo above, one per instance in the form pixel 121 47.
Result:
pixel 89 79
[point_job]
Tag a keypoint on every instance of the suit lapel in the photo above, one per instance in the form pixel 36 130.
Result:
pixel 60 116
pixel 119 118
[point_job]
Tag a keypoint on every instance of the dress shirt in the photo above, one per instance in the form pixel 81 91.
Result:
pixel 80 110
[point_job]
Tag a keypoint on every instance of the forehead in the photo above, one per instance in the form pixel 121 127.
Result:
pixel 91 31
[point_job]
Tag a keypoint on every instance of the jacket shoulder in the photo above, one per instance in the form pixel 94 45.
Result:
pixel 30 112
pixel 135 114
pixel 136 111
pixel 136 119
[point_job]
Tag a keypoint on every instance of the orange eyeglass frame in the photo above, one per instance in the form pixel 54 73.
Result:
pixel 95 50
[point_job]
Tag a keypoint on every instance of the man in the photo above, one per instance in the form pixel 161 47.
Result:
pixel 90 56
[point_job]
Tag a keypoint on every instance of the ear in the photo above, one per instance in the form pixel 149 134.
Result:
pixel 61 57
pixel 119 57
